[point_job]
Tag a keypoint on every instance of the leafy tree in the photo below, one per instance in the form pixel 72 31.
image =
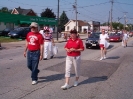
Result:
pixel 105 24
pixel 117 25
pixel 5 10
pixel 48 13
pixel 63 20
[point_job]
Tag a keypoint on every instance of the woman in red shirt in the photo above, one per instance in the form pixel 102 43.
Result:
pixel 73 47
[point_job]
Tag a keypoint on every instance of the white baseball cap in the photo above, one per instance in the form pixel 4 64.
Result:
pixel 34 24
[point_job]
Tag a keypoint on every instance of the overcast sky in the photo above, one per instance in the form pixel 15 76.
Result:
pixel 96 10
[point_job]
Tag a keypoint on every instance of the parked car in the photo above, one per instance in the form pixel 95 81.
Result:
pixel 93 40
pixel 131 34
pixel 20 32
pixel 5 32
pixel 115 37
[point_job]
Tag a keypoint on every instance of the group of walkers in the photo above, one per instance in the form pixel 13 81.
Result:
pixel 38 44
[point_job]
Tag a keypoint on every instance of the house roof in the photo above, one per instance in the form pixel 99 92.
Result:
pixel 80 23
pixel 23 11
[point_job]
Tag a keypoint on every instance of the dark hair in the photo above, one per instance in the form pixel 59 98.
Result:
pixel 73 31
pixel 46 31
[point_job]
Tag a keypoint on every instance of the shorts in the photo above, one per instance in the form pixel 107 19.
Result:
pixel 101 45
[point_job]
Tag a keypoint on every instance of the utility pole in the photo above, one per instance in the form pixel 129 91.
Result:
pixel 76 12
pixel 125 20
pixel 75 8
pixel 108 20
pixel 112 1
pixel 58 21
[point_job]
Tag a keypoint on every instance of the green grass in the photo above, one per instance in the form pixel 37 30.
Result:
pixel 8 39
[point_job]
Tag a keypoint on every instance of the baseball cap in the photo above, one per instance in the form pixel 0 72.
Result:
pixel 34 24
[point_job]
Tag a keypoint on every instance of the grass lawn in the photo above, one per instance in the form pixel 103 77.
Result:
pixel 8 39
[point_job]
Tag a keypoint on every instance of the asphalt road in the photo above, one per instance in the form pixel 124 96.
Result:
pixel 106 79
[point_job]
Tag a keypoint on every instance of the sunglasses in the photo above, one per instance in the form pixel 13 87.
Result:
pixel 33 27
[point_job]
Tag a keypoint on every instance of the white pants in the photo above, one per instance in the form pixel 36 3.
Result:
pixel 76 62
pixel 48 46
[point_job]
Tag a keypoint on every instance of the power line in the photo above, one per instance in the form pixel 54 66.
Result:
pixel 123 3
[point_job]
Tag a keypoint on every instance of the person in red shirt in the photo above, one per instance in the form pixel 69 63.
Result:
pixel 73 47
pixel 34 50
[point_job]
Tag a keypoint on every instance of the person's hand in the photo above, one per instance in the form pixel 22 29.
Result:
pixel 68 50
pixel 53 44
pixel 24 54
pixel 72 49
pixel 41 57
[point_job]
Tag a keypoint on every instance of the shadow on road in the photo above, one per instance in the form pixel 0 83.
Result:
pixel 111 46
pixel 51 78
pixel 129 46
pixel 115 57
pixel 60 57
pixel 93 80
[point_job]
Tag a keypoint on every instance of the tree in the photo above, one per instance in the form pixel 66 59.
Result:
pixel 63 20
pixel 48 13
pixel 117 25
pixel 5 10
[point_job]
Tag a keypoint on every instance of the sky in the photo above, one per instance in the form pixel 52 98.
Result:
pixel 88 10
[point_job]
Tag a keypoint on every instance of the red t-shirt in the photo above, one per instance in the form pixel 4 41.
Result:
pixel 76 44
pixel 34 41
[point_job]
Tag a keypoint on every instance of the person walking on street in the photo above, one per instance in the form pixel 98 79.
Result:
pixel 34 51
pixel 125 38
pixel 73 47
pixel 103 44
pixel 48 43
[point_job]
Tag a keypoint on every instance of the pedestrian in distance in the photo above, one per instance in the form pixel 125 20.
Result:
pixel 73 47
pixel 34 51
pixel 125 38
pixel 103 42
pixel 48 43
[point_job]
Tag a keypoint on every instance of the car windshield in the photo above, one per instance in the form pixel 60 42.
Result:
pixel 7 29
pixel 18 29
pixel 95 35
pixel 115 34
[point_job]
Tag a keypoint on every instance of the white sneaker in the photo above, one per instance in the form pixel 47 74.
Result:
pixel 101 58
pixel 34 82
pixel 104 57
pixel 66 86
pixel 75 83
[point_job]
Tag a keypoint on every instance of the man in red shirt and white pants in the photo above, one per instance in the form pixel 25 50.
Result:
pixel 34 49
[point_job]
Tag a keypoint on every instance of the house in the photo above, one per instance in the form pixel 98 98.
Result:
pixel 21 11
pixel 107 28
pixel 82 26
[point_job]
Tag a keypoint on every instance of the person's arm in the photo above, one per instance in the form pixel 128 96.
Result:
pixel 41 51
pixel 53 42
pixel 26 47
pixel 107 37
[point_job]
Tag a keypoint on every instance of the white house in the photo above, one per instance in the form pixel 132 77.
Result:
pixel 82 26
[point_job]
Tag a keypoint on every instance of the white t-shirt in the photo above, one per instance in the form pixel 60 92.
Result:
pixel 125 36
pixel 103 38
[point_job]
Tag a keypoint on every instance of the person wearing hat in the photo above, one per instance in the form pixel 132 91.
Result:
pixel 48 43
pixel 34 51
pixel 73 47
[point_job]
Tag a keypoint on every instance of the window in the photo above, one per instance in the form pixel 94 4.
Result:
pixel 67 28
